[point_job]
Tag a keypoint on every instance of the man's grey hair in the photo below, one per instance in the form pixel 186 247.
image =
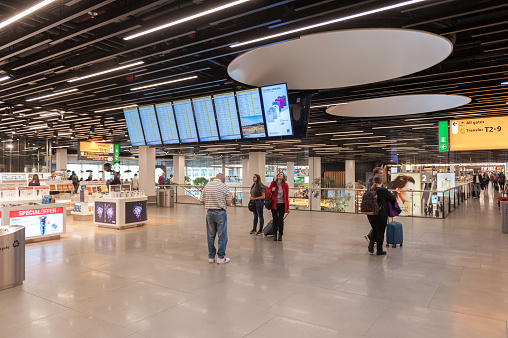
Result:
pixel 221 176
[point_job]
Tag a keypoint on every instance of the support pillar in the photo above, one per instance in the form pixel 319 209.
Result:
pixel 291 176
pixel 350 184
pixel 178 169
pixel 314 173
pixel 257 162
pixel 61 159
pixel 147 170
pixel 246 182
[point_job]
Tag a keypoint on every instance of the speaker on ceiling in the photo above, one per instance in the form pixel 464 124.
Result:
pixel 300 111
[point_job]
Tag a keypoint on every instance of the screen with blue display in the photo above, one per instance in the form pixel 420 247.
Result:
pixel 251 113
pixel 205 118
pixel 227 116
pixel 277 115
pixel 134 126
pixel 150 125
pixel 167 123
pixel 185 121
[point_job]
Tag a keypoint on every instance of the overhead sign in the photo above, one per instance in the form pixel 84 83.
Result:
pixel 443 136
pixel 479 134
pixel 104 152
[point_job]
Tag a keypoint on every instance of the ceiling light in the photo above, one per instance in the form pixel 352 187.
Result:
pixel 9 146
pixel 49 114
pixel 54 94
pixel 24 13
pixel 405 3
pixel 61 134
pixel 404 126
pixel 328 105
pixel 213 10
pixel 39 127
pixel 322 122
pixel 107 71
pixel 503 83
pixel 355 138
pixel 6 77
pixel 346 133
pixel 109 109
pixel 163 83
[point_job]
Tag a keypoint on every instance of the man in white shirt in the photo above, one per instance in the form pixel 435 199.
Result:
pixel 216 196
pixel 135 182
pixel 53 176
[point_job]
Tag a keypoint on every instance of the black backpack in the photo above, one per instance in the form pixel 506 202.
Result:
pixel 369 204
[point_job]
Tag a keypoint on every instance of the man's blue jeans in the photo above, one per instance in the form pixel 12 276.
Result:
pixel 477 189
pixel 217 223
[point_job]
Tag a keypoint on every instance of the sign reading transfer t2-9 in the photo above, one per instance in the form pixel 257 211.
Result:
pixel 479 134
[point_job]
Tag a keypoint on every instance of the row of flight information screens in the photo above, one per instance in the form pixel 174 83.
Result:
pixel 227 116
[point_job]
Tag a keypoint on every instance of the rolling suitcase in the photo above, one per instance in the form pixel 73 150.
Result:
pixel 268 229
pixel 394 234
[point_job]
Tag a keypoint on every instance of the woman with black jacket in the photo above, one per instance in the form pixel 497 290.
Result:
pixel 378 222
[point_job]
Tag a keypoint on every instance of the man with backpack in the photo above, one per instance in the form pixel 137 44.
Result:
pixel 75 181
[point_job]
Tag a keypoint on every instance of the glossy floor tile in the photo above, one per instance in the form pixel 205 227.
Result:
pixel 448 280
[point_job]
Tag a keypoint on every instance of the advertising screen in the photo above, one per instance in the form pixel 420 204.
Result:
pixel 135 212
pixel 150 125
pixel 93 151
pixel 205 118
pixel 227 116
pixel 185 121
pixel 167 123
pixel 134 126
pixel 445 181
pixel 251 113
pixel 410 202
pixel 105 212
pixel 479 134
pixel 277 114
pixel 39 222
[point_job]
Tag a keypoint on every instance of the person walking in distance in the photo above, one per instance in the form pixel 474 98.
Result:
pixel 216 196
pixel 377 172
pixel 279 190
pixel 257 194
pixel 478 182
pixel 378 222
pixel 135 182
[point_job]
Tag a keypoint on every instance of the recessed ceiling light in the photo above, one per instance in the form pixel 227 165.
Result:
pixel 51 95
pixel 116 108
pixel 3 78
pixel 25 13
pixel 107 71
pixel 405 3
pixel 321 122
pixel 173 23
pixel 328 105
pixel 163 83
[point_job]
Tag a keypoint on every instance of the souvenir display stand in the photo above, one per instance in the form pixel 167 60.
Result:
pixel 121 210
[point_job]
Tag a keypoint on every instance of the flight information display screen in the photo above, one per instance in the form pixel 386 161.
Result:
pixel 167 123
pixel 134 126
pixel 150 125
pixel 205 118
pixel 251 113
pixel 277 114
pixel 185 121
pixel 227 116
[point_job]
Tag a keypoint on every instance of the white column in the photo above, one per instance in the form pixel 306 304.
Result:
pixel 291 175
pixel 224 168
pixel 257 161
pixel 314 173
pixel 147 170
pixel 246 181
pixel 178 169
pixel 350 183
pixel 61 159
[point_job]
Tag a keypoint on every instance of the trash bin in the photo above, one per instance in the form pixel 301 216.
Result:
pixel 504 217
pixel 162 197
pixel 12 256
pixel 171 199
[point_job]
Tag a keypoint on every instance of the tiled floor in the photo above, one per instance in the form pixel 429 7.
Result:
pixel 450 279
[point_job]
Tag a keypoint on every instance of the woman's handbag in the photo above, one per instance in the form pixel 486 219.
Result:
pixel 252 205
pixel 268 201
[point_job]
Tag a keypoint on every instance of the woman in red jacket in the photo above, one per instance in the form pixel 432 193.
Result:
pixel 279 191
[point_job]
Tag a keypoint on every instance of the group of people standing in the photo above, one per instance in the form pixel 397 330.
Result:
pixel 481 181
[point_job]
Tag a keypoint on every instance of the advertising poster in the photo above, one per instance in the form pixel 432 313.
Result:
pixel 276 105
pixel 135 212
pixel 445 181
pixel 38 222
pixel 105 212
pixel 96 151
pixel 403 185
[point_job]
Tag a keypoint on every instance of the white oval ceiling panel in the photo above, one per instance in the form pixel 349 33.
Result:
pixel 398 105
pixel 341 58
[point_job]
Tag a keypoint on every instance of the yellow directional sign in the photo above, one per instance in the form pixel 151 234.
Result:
pixel 479 134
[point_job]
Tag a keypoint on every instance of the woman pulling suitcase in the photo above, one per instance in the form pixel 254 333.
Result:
pixel 378 222
pixel 279 191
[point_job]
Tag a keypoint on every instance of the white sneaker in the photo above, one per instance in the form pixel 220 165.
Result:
pixel 223 260
pixel 211 260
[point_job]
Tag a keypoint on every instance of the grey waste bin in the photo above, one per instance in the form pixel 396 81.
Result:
pixel 504 217
pixel 12 256
pixel 162 197
pixel 171 199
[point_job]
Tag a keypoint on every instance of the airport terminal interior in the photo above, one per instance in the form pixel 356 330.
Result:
pixel 115 115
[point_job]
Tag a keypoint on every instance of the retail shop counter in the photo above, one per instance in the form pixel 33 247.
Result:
pixel 41 221
pixel 120 212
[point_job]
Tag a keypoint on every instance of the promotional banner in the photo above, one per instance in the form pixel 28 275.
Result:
pixel 135 212
pixel 445 181
pixel 38 222
pixel 105 212
pixel 403 185
pixel 93 151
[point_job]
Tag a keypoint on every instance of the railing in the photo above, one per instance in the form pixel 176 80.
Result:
pixel 414 203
